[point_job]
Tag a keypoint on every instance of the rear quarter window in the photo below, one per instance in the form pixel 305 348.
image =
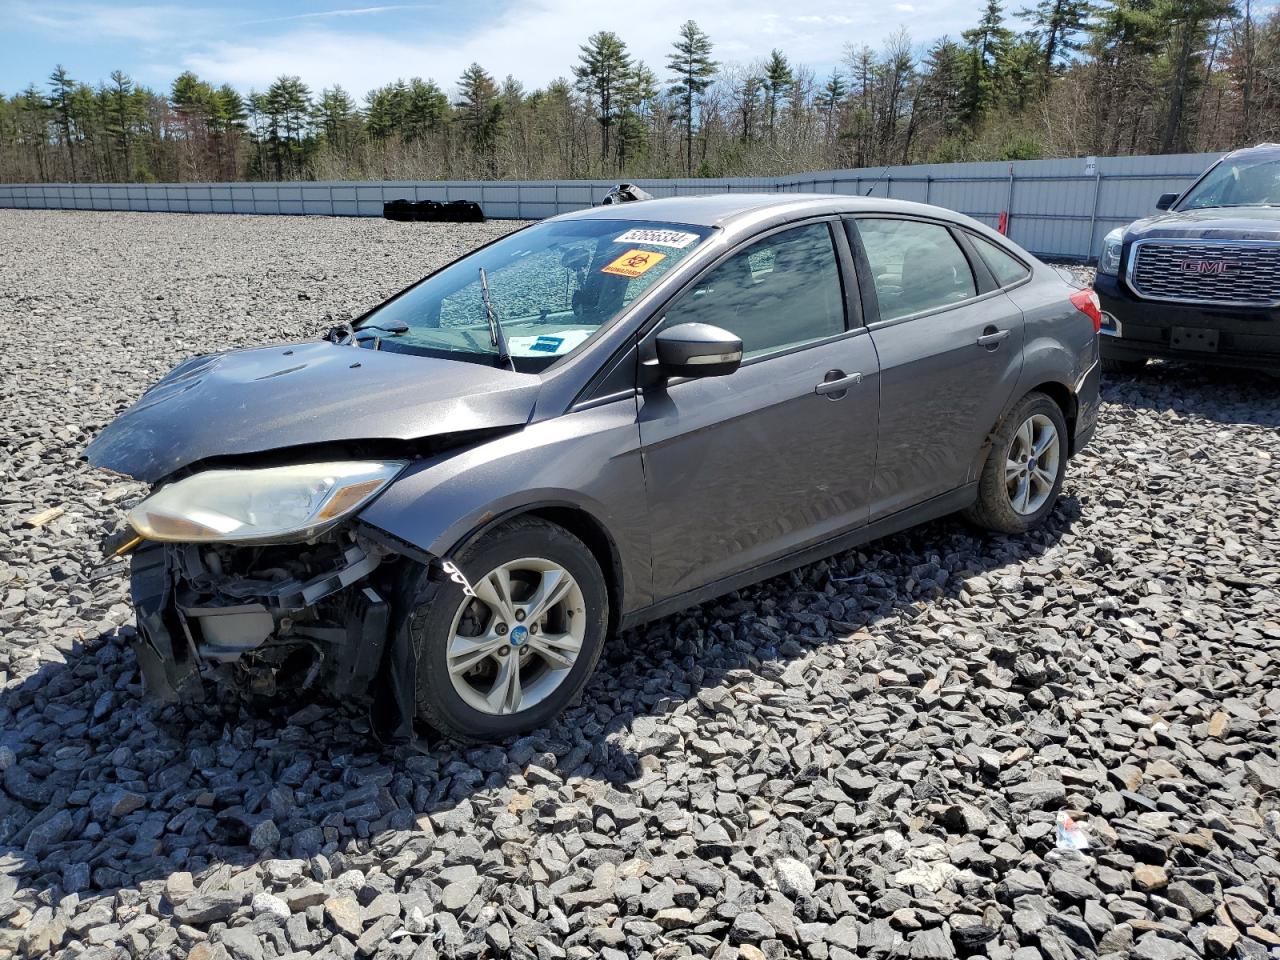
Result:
pixel 1008 269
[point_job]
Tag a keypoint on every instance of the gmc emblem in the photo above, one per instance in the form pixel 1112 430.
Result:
pixel 1204 266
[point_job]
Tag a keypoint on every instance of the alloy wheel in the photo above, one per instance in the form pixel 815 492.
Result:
pixel 518 638
pixel 1031 464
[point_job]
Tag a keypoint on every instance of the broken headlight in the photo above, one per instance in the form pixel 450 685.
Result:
pixel 269 504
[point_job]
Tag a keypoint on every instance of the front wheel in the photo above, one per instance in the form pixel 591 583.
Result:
pixel 514 646
pixel 1023 474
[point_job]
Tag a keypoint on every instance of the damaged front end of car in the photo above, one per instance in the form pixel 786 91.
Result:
pixel 263 617
pixel 260 579
pixel 250 563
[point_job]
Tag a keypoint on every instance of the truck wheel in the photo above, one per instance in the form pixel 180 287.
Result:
pixel 1022 477
pixel 513 653
pixel 1122 368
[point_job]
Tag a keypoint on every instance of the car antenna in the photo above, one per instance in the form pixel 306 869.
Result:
pixel 876 181
pixel 496 336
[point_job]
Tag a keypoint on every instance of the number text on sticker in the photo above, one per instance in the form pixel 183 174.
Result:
pixel 658 238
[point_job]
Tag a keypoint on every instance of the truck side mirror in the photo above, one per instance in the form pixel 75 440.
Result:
pixel 1166 201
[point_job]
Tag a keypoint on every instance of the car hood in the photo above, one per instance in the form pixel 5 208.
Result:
pixel 1220 223
pixel 270 398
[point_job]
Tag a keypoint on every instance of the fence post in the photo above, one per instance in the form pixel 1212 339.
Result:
pixel 928 186
pixel 1093 213
pixel 1008 202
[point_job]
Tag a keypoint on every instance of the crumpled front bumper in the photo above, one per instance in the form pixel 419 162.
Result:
pixel 329 626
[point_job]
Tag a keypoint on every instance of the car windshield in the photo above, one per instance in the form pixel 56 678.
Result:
pixel 1237 184
pixel 551 286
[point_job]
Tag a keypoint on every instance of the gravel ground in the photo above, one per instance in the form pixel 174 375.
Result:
pixel 873 756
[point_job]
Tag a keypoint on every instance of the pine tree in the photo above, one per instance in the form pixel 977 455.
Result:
pixel 749 93
pixel 601 71
pixel 62 88
pixel 944 84
pixel 426 108
pixel 830 100
pixel 778 79
pixel 334 117
pixel 692 69
pixel 480 113
pixel 120 108
pixel 638 91
pixel 1188 22
pixel 288 106
pixel 1057 24
pixel 989 44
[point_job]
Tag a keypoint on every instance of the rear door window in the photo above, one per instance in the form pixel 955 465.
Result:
pixel 917 266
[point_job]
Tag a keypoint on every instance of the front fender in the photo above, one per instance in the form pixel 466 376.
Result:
pixel 587 460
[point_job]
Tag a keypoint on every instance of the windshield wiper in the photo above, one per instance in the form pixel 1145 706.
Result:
pixel 347 334
pixel 496 337
pixel 392 328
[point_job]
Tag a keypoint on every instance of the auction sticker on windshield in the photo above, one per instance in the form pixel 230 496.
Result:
pixel 634 263
pixel 658 238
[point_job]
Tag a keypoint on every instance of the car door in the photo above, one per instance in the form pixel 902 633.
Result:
pixel 950 349
pixel 746 468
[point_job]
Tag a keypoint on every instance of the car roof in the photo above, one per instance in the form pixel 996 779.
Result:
pixel 731 209
pixel 1260 151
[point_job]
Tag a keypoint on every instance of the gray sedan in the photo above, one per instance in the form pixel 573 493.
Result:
pixel 450 503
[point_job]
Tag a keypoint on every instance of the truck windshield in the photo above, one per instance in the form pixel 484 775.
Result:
pixel 551 286
pixel 1237 184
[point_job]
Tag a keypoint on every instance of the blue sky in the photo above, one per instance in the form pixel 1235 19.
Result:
pixel 362 45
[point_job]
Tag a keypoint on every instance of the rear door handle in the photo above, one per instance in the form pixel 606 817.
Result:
pixel 839 385
pixel 991 336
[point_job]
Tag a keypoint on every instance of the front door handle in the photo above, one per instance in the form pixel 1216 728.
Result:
pixel 837 382
pixel 991 337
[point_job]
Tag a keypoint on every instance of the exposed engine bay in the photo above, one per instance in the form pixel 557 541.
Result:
pixel 260 618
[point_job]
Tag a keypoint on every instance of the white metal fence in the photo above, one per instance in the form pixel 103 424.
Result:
pixel 1055 208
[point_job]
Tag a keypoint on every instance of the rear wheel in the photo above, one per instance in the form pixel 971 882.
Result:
pixel 517 649
pixel 1122 368
pixel 1023 475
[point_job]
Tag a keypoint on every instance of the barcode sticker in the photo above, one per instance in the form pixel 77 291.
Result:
pixel 658 238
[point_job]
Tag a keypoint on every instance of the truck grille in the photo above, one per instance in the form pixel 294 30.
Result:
pixel 1242 274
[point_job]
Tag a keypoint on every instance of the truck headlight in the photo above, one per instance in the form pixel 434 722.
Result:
pixel 1109 259
pixel 264 505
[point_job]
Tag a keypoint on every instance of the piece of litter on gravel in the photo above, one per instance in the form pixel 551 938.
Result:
pixel 1071 835
pixel 38 520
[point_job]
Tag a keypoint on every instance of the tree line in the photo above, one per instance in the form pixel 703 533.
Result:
pixel 1106 77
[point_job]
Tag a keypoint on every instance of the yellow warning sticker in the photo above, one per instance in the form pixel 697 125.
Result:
pixel 634 263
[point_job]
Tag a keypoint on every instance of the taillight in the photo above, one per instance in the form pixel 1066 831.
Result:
pixel 1087 302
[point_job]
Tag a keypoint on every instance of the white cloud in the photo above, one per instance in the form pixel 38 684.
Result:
pixel 142 23
pixel 349 12
pixel 537 40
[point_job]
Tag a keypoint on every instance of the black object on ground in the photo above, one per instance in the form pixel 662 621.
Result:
pixel 433 211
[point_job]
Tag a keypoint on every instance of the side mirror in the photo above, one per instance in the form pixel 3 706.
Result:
pixel 697 350
pixel 1166 201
